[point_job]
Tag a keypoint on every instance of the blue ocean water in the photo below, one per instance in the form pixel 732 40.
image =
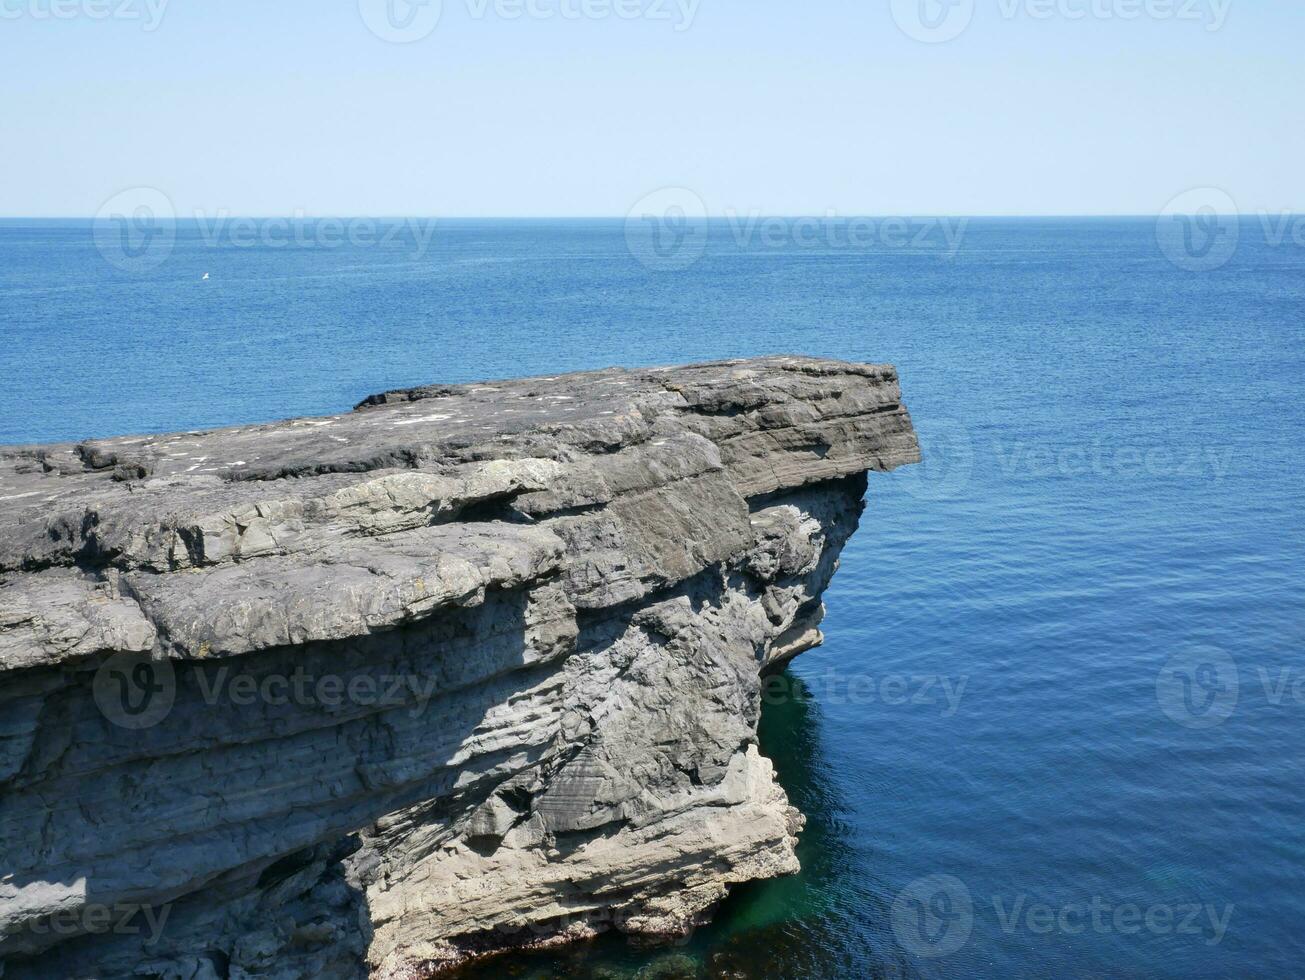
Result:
pixel 1058 725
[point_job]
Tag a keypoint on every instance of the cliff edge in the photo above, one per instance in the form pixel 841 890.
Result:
pixel 469 668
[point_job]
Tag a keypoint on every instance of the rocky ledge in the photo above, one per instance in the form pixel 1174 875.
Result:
pixel 468 668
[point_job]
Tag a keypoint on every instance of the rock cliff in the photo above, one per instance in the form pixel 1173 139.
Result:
pixel 467 668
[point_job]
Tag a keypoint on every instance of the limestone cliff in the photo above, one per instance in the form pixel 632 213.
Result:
pixel 467 668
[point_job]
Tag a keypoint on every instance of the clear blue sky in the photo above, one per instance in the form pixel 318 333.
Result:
pixel 796 107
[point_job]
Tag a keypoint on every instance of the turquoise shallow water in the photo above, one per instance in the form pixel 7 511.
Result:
pixel 1058 725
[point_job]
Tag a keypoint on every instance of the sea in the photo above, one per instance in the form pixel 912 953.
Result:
pixel 1057 726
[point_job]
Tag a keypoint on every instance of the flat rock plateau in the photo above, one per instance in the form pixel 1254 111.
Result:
pixel 466 669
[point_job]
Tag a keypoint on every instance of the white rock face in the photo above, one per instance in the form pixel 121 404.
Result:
pixel 469 668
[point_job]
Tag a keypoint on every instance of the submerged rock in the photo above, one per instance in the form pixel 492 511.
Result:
pixel 469 668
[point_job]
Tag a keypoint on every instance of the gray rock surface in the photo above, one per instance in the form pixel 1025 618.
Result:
pixel 468 668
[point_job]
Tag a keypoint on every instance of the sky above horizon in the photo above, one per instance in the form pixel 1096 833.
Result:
pixel 585 107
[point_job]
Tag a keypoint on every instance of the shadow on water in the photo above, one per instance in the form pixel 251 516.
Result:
pixel 813 924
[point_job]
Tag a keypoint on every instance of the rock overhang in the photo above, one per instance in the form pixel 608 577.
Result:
pixel 584 573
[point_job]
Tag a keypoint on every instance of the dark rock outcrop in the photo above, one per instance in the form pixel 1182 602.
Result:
pixel 471 667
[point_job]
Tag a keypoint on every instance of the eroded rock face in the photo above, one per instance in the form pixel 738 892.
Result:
pixel 469 668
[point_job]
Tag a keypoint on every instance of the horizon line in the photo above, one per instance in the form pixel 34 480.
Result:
pixel 623 217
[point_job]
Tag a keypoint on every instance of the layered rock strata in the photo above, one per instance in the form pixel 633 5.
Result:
pixel 468 668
